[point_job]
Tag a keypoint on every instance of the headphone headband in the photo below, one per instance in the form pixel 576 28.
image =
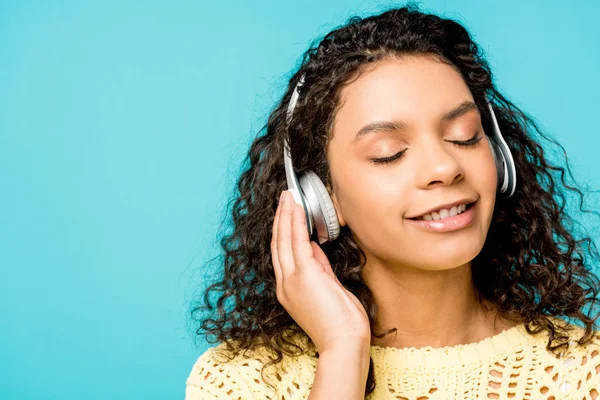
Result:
pixel 294 100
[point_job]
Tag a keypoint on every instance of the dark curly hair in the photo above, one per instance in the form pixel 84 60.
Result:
pixel 532 267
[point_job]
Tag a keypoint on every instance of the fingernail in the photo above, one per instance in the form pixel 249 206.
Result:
pixel 281 196
pixel 287 196
pixel 284 198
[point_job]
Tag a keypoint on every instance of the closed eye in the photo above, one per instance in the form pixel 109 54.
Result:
pixel 465 143
pixel 387 160
pixel 471 142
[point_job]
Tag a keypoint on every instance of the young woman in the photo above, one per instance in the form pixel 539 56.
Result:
pixel 420 249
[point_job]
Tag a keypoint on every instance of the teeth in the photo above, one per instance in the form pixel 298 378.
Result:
pixel 444 213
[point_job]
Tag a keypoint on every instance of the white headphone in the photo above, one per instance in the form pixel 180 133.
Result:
pixel 310 192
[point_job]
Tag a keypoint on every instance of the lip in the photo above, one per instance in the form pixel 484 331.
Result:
pixel 447 206
pixel 450 223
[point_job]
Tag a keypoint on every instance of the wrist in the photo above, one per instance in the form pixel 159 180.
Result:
pixel 358 352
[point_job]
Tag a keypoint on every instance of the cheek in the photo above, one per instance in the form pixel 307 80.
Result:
pixel 384 188
pixel 484 179
pixel 484 172
pixel 373 203
pixel 371 196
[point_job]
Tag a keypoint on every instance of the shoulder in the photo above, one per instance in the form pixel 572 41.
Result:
pixel 214 376
pixel 581 364
pixel 223 374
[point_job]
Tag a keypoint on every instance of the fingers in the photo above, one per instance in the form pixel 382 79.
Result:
pixel 322 259
pixel 284 236
pixel 274 257
pixel 301 243
pixel 294 249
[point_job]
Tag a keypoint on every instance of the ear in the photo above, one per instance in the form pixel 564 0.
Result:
pixel 336 204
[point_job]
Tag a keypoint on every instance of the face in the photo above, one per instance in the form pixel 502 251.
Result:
pixel 413 97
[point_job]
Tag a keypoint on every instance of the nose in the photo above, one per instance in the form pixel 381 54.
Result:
pixel 438 164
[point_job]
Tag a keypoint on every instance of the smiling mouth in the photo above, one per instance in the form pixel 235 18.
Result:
pixel 468 206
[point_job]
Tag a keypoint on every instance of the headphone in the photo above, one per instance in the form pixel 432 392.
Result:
pixel 310 192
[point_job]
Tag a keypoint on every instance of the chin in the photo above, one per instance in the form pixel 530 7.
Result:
pixel 447 259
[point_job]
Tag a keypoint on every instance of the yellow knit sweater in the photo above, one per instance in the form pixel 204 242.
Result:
pixel 510 365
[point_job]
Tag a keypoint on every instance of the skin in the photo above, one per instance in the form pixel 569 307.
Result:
pixel 421 280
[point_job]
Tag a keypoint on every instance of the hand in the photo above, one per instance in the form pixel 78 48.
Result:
pixel 307 286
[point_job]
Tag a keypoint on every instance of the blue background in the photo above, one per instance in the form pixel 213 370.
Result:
pixel 122 128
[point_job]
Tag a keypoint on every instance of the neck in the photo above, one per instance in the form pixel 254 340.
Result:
pixel 434 308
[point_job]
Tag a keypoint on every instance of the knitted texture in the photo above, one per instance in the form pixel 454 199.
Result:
pixel 512 364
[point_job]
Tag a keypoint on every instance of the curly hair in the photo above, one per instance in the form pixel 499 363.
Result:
pixel 532 266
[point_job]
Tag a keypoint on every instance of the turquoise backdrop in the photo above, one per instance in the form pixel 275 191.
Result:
pixel 123 125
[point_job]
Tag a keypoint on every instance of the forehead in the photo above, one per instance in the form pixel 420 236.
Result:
pixel 414 89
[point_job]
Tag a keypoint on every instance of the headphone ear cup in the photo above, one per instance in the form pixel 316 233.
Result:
pixel 321 208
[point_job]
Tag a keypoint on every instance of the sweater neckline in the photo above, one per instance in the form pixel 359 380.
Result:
pixel 493 347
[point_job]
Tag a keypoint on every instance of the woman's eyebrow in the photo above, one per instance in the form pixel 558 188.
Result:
pixel 389 126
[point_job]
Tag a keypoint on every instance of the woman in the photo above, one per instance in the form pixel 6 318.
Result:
pixel 446 266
